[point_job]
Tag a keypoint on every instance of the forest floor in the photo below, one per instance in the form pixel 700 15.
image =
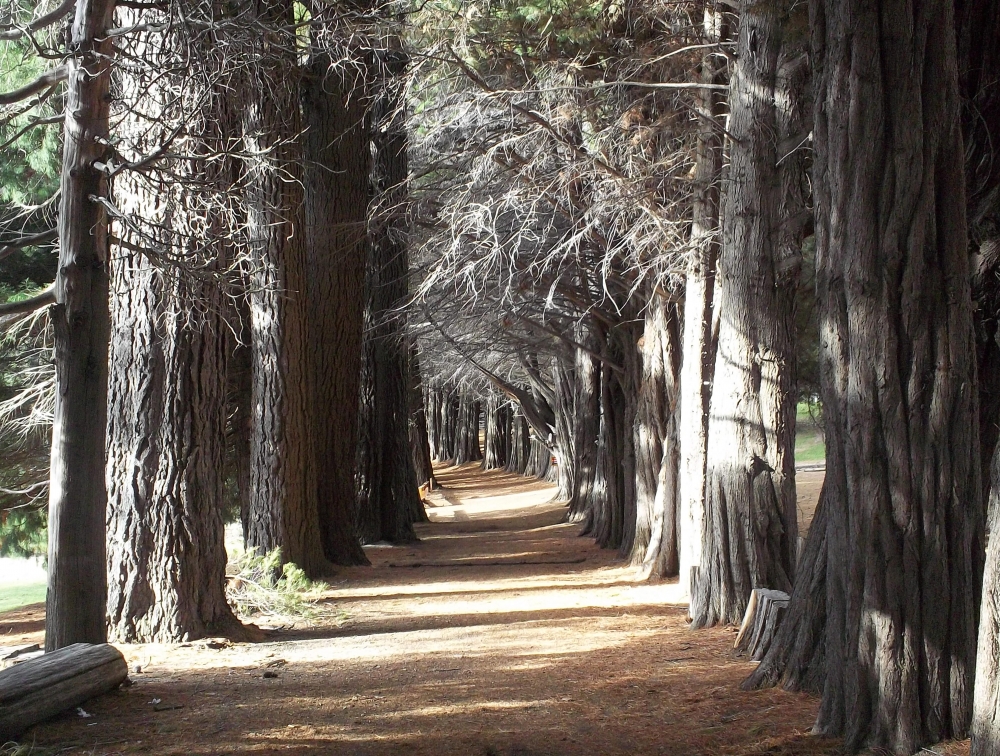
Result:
pixel 501 633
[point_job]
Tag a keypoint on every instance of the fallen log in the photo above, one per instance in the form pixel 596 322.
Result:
pixel 764 613
pixel 35 690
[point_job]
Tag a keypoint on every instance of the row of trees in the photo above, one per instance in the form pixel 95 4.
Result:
pixel 328 244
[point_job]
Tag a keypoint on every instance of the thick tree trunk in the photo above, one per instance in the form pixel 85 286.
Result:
pixel 167 385
pixel 388 499
pixel 497 434
pixel 978 28
pixel 77 588
pixel 656 449
pixel 750 533
pixel 565 416
pixel 420 433
pixel 520 444
pixel 466 448
pixel 337 151
pixel 282 509
pixel 586 426
pixel 698 363
pixel 612 522
pixel 905 525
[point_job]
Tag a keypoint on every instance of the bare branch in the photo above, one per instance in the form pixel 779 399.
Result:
pixel 46 297
pixel 44 81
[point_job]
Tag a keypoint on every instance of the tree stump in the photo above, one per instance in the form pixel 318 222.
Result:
pixel 35 690
pixel 764 613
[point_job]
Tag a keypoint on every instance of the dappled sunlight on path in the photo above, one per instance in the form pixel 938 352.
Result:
pixel 501 632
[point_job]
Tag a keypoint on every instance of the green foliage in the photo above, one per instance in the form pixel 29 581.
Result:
pixel 259 585
pixel 23 532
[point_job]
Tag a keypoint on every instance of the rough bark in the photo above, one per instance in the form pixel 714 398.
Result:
pixel 750 533
pixel 903 491
pixel 388 499
pixel 419 430
pixel 978 28
pixel 283 484
pixel 520 444
pixel 167 385
pixel 586 425
pixel 77 589
pixel 657 460
pixel 337 152
pixel 565 417
pixel 497 433
pixel 698 361
pixel 466 439
pixel 612 520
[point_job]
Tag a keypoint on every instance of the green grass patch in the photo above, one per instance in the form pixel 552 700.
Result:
pixel 16 596
pixel 809 445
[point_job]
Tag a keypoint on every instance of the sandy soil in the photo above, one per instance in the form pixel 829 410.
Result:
pixel 501 633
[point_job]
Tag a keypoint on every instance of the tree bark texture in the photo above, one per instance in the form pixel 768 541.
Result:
pixel 586 426
pixel 497 434
pixel 978 28
pixel 388 500
pixel 656 448
pixel 613 501
pixel 905 527
pixel 466 448
pixel 337 152
pixel 419 430
pixel 283 480
pixel 750 533
pixel 565 416
pixel 167 385
pixel 77 588
pixel 698 363
pixel 520 443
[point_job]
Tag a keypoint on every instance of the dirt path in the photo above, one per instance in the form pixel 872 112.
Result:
pixel 500 633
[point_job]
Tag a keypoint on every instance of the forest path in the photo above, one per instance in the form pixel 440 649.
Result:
pixel 500 633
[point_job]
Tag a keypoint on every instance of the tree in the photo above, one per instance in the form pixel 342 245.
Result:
pixel 75 603
pixel 895 552
pixel 167 385
pixel 698 361
pixel 750 536
pixel 283 510
pixel 336 143
pixel 388 499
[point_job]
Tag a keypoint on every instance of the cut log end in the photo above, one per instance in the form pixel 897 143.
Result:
pixel 35 690
pixel 763 616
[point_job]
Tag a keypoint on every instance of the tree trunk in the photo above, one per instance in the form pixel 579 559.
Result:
pixel 698 363
pixel 419 431
pixel 563 393
pixel 586 426
pixel 657 459
pixel 167 385
pixel 77 588
pixel 388 499
pixel 520 444
pixel 283 487
pixel 750 533
pixel 905 526
pixel 497 435
pixel 978 27
pixel 337 151
pixel 466 447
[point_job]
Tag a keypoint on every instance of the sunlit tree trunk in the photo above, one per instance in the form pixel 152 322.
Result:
pixel 283 489
pixel 750 532
pixel 903 520
pixel 77 588
pixel 656 449
pixel 698 360
pixel 167 385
